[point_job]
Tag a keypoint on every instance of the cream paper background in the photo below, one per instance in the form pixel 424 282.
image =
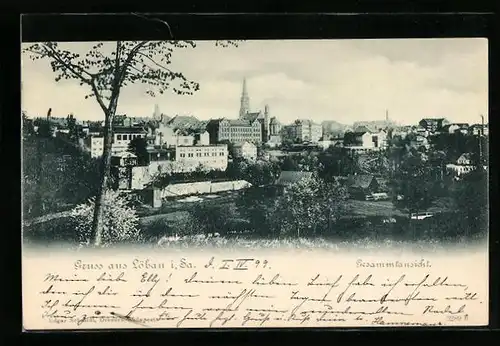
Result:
pixel 462 264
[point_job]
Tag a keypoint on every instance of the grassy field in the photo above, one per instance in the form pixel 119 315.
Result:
pixel 200 241
pixel 370 208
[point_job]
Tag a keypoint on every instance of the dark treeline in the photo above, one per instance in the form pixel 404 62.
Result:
pixel 56 174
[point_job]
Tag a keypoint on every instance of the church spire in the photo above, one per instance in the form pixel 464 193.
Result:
pixel 245 100
pixel 157 114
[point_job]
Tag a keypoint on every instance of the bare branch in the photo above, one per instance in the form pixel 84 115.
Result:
pixel 154 62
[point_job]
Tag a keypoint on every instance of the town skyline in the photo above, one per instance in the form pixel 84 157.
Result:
pixel 410 79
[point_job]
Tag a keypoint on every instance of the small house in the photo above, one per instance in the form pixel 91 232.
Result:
pixel 463 165
pixel 360 185
pixel 456 128
pixel 123 159
pixel 245 150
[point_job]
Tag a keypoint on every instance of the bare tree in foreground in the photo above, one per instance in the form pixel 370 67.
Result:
pixel 106 69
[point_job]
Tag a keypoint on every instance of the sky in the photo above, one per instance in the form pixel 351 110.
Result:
pixel 341 80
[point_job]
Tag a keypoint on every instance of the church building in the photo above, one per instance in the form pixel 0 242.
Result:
pixel 262 117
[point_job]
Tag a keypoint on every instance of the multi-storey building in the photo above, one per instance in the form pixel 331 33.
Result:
pixel 364 141
pixel 122 136
pixel 304 131
pixel 210 156
pixel 478 130
pixel 234 131
pixel 433 124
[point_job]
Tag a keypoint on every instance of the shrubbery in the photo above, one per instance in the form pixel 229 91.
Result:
pixel 121 223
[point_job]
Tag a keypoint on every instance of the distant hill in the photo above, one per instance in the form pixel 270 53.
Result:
pixel 373 125
pixel 333 128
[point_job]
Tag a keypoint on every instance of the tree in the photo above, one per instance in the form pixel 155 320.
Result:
pixel 415 181
pixel 108 68
pixel 308 162
pixel 261 173
pixel 56 174
pixel 337 162
pixel 44 128
pixel 138 147
pixel 210 218
pixel 257 173
pixel 28 127
pixel 471 199
pixel 257 206
pixel 310 206
pixel 120 220
pixel 289 164
pixel 332 198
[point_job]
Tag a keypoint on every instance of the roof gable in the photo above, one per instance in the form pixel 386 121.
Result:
pixel 360 180
pixel 292 177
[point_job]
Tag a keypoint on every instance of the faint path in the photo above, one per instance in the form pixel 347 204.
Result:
pixel 173 211
pixel 48 217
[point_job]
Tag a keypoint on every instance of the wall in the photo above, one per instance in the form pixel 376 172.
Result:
pixel 204 139
pixel 141 176
pixel 186 189
pixel 164 135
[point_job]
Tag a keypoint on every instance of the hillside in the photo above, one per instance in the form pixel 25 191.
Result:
pixel 333 128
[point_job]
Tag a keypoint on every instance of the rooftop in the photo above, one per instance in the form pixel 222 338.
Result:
pixel 133 129
pixel 292 177
pixel 360 180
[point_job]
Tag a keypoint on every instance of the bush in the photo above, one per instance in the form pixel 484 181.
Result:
pixel 211 218
pixel 158 228
pixel 120 219
pixel 58 230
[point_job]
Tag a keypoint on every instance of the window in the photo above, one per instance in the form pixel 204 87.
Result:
pixel 182 155
pixel 198 154
pixel 190 154
pixel 119 137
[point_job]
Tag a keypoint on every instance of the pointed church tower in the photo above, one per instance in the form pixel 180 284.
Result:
pixel 157 114
pixel 245 100
pixel 266 123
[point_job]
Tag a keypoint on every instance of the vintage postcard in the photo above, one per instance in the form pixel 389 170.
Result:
pixel 255 184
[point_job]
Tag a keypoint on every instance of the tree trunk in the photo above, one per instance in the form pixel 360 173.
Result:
pixel 98 221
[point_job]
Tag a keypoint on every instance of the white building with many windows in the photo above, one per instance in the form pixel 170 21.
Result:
pixel 210 156
pixel 122 136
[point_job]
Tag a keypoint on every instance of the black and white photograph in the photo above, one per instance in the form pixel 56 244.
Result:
pixel 250 144
pixel 255 183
